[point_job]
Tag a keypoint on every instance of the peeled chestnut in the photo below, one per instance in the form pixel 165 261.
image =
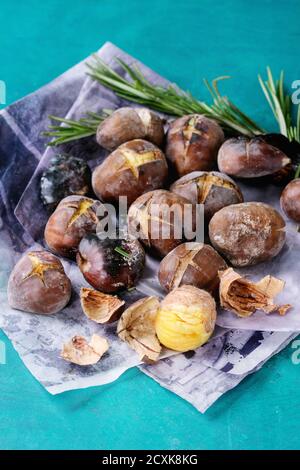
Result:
pixel 132 169
pixel 126 124
pixel 290 200
pixel 74 217
pixel 213 189
pixel 110 265
pixel 162 220
pixel 193 142
pixel 186 318
pixel 250 158
pixel 65 176
pixel 38 284
pixel 248 233
pixel 193 264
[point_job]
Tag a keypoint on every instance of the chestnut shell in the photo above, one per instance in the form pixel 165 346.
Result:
pixel 105 268
pixel 213 189
pixel 290 200
pixel 38 284
pixel 65 176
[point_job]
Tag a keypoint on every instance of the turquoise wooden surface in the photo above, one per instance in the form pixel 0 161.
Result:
pixel 184 40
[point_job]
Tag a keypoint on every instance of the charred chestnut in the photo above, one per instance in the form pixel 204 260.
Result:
pixel 38 284
pixel 290 200
pixel 126 124
pixel 132 169
pixel 193 264
pixel 213 189
pixel 193 142
pixel 248 233
pixel 74 217
pixel 110 265
pixel 65 176
pixel 162 220
pixel 250 158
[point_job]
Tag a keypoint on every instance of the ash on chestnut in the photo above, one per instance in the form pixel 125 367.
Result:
pixel 195 264
pixel 126 124
pixel 193 142
pixel 38 284
pixel 134 168
pixel 110 265
pixel 65 176
pixel 212 189
pixel 160 220
pixel 74 217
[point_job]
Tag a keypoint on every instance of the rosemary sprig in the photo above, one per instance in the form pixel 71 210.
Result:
pixel 171 100
pixel 122 252
pixel 73 130
pixel 281 105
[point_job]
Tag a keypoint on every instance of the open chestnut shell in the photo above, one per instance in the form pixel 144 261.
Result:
pixel 74 217
pixel 126 124
pixel 195 264
pixel 65 176
pixel 162 220
pixel 38 284
pixel 248 233
pixel 110 265
pixel 193 142
pixel 212 189
pixel 243 157
pixel 134 168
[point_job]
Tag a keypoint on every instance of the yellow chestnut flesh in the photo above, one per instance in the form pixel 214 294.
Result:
pixel 186 319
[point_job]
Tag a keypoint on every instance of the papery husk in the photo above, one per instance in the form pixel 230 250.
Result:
pixel 99 307
pixel 244 297
pixel 80 352
pixel 137 327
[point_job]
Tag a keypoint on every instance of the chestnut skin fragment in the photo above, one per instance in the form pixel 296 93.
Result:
pixel 290 200
pixel 38 284
pixel 99 307
pixel 126 124
pixel 195 264
pixel 213 189
pixel 105 268
pixel 152 219
pixel 248 233
pixel 186 318
pixel 74 217
pixel 243 157
pixel 193 142
pixel 80 352
pixel 134 168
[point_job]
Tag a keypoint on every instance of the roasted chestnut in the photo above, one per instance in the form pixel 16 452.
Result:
pixel 110 265
pixel 161 220
pixel 132 169
pixel 126 124
pixel 193 264
pixel 74 217
pixel 38 284
pixel 65 176
pixel 248 233
pixel 250 158
pixel 290 200
pixel 186 319
pixel 213 189
pixel 193 142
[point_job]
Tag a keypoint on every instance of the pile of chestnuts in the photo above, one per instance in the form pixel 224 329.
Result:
pixel 162 169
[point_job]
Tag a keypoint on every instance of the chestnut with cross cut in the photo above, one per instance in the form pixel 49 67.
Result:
pixel 212 189
pixel 38 284
pixel 74 217
pixel 193 142
pixel 132 169
pixel 162 220
pixel 195 264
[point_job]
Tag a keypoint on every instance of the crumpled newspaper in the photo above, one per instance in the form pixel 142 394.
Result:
pixel 200 377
